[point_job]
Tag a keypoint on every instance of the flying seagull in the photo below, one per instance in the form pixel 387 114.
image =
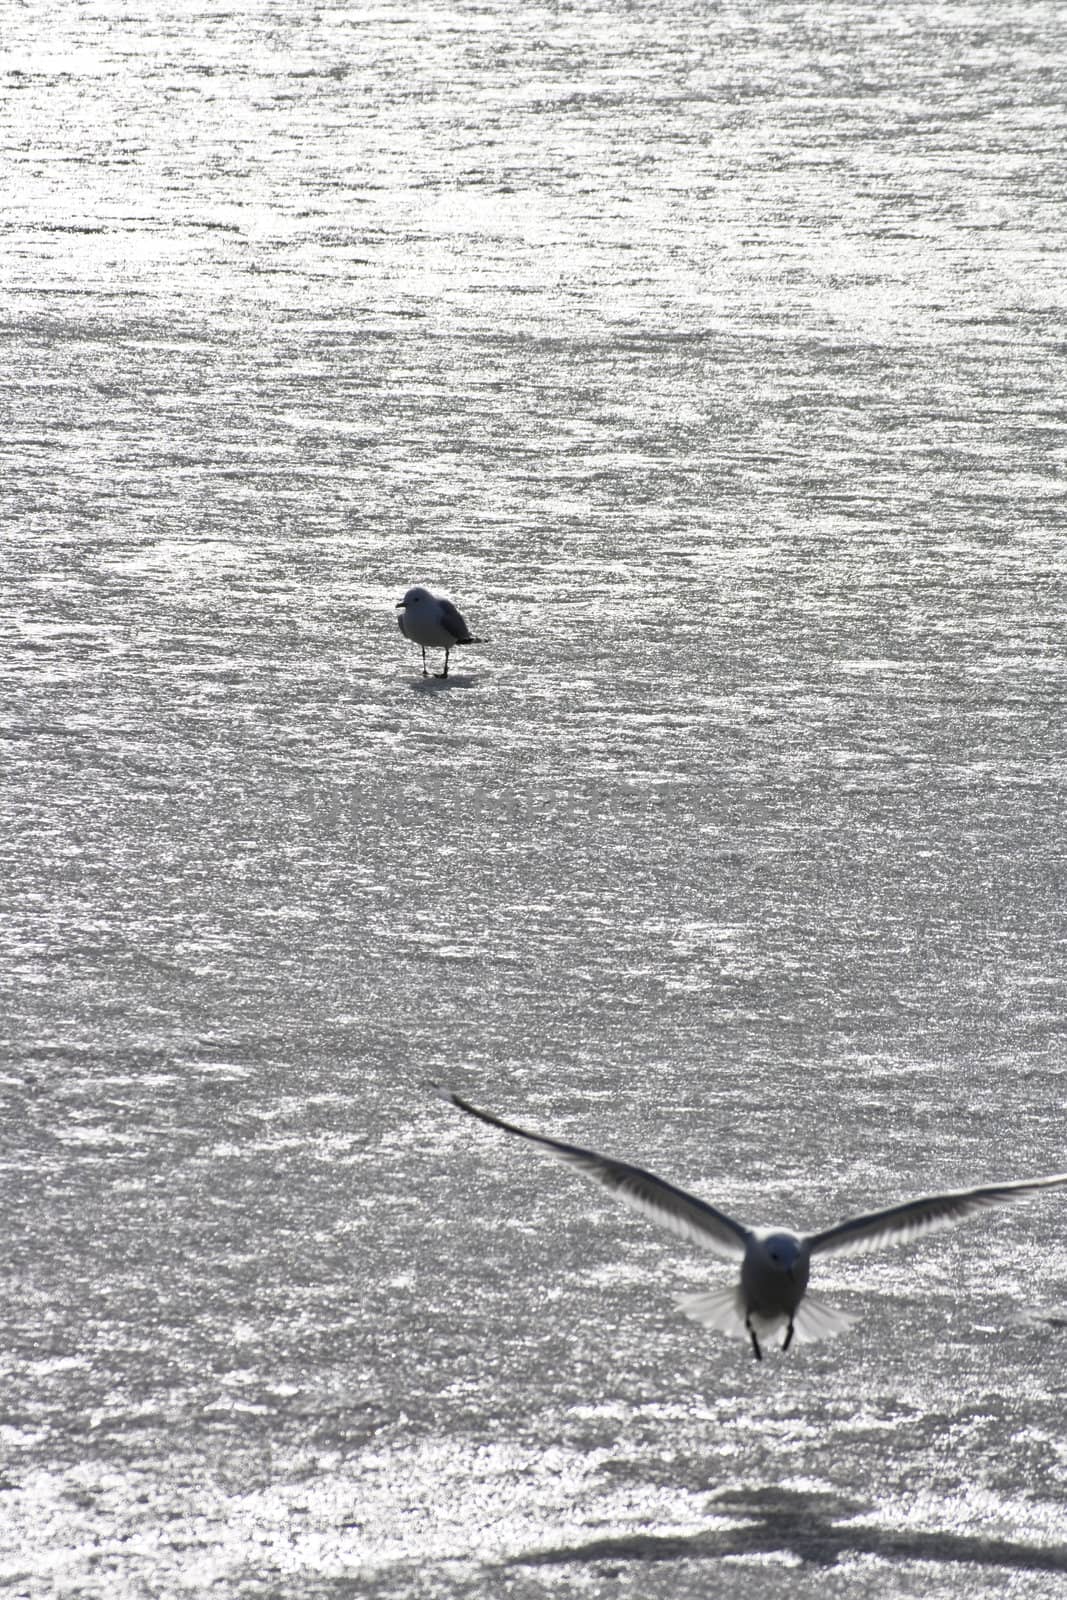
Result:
pixel 775 1262
pixel 429 621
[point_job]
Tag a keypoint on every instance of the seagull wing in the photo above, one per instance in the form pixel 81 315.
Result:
pixel 683 1214
pixel 912 1218
pixel 453 622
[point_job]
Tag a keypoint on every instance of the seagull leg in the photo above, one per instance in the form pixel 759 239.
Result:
pixel 424 672
pixel 756 1351
pixel 443 674
pixel 788 1340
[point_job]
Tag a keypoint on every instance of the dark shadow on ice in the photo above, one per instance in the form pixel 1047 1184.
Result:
pixel 1054 1317
pixel 455 680
pixel 813 1528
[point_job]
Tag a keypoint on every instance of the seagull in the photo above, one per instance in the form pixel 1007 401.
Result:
pixel 428 620
pixel 775 1262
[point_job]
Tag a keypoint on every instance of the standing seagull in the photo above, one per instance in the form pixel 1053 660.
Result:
pixel 427 620
pixel 774 1261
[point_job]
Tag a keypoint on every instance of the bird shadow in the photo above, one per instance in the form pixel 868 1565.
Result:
pixel 818 1530
pixel 455 680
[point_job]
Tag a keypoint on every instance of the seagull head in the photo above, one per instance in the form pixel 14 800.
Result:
pixel 413 597
pixel 782 1251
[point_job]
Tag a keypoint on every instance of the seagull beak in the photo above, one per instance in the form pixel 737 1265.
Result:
pixel 401 604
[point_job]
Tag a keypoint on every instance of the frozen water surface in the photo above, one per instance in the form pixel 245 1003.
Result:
pixel 711 357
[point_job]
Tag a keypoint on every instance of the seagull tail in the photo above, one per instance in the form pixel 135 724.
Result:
pixel 816 1320
pixel 724 1310
pixel 721 1309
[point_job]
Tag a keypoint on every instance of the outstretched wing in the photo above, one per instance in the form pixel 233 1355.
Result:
pixel 453 622
pixel 683 1214
pixel 913 1218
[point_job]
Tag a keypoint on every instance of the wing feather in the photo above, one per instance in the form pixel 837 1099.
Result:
pixel 681 1213
pixel 912 1218
pixel 454 622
